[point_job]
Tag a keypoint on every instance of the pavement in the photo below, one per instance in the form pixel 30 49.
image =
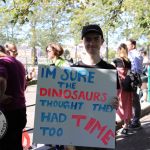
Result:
pixel 136 139
pixel 30 95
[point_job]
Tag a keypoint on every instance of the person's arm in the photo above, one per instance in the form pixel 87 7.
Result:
pixel 3 83
pixel 4 99
pixel 114 63
pixel 138 65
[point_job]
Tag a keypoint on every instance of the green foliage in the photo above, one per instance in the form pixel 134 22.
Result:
pixel 53 20
pixel 111 54
pixel 4 1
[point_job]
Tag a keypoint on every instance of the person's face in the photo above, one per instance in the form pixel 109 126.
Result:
pixel 130 46
pixel 12 48
pixel 50 53
pixel 92 43
pixel 13 54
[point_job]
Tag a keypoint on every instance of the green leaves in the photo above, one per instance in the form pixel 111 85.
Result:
pixel 4 1
pixel 129 16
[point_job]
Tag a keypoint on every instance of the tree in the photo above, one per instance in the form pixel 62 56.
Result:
pixel 126 18
pixel 45 23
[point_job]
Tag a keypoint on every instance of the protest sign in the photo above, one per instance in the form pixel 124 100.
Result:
pixel 73 106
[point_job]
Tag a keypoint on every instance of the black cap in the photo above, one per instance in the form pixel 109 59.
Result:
pixel 92 28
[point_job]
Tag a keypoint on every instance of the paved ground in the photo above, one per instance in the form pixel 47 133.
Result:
pixel 138 139
pixel 30 102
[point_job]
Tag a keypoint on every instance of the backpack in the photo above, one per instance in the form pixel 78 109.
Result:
pixel 131 81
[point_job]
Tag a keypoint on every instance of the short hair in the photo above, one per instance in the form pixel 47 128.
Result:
pixel 2 49
pixel 144 52
pixel 57 48
pixel 132 42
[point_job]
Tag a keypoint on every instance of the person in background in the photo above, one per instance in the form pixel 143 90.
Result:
pixel 92 36
pixel 123 64
pixel 71 60
pixel 145 56
pixel 144 76
pixel 12 101
pixel 137 68
pixel 54 53
pixel 11 49
pixel 31 75
pixel 36 60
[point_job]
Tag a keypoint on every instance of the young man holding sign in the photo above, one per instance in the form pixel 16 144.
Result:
pixel 92 37
pixel 75 102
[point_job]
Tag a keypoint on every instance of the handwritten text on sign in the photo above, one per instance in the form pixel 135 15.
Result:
pixel 73 107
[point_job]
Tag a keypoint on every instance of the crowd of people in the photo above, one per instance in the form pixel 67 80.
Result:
pixel 13 82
